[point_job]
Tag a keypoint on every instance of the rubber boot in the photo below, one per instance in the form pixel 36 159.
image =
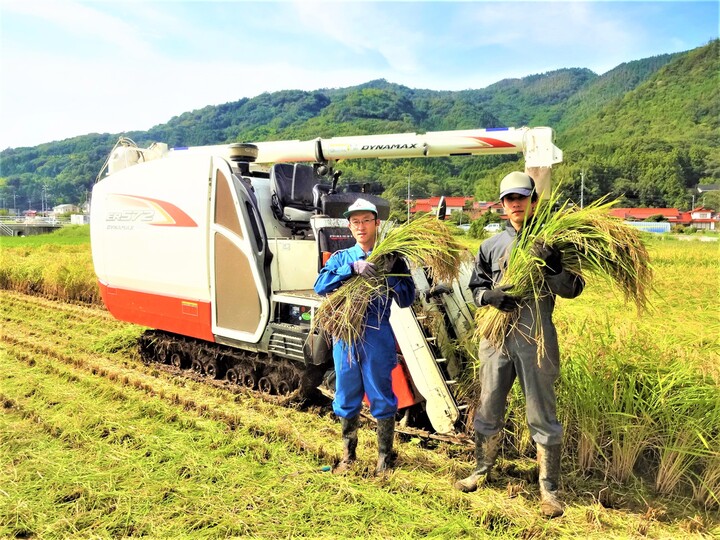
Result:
pixel 486 452
pixel 350 442
pixel 549 464
pixel 385 437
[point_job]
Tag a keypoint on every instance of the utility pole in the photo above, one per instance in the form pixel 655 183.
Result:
pixel 408 199
pixel 582 188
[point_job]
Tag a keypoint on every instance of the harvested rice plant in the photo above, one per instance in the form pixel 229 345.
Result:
pixel 94 443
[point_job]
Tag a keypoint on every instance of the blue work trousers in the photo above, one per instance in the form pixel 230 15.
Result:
pixel 366 368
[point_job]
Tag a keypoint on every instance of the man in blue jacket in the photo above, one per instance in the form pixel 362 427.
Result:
pixel 518 358
pixel 365 367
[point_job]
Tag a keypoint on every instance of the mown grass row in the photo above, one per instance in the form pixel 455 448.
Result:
pixel 100 445
pixel 638 395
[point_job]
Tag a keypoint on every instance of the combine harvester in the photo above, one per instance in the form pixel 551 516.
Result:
pixel 217 248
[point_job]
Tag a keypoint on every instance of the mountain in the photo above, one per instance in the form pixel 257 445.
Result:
pixel 646 131
pixel 655 143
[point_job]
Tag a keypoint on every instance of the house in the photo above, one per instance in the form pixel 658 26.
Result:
pixel 483 207
pixel 65 209
pixel 430 205
pixel 456 204
pixel 700 217
pixel 704 218
pixel 672 215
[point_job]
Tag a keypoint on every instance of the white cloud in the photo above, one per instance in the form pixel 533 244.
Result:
pixel 80 22
pixel 557 31
pixel 385 29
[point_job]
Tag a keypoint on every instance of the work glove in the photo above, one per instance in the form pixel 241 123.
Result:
pixel 437 290
pixel 501 300
pixel 364 269
pixel 550 256
pixel 388 263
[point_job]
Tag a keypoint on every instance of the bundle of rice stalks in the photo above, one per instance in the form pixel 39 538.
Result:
pixel 591 241
pixel 423 242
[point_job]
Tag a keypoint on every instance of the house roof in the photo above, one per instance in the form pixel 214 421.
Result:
pixel 426 205
pixel 421 206
pixel 487 204
pixel 644 213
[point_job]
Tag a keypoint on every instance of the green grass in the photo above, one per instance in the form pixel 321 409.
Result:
pixel 95 444
pixel 69 235
pixel 99 445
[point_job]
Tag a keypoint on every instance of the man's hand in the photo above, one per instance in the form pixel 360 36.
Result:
pixel 501 300
pixel 364 269
pixel 388 263
pixel 437 290
pixel 550 256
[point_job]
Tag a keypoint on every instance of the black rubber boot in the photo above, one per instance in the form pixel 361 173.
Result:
pixel 549 464
pixel 385 438
pixel 486 452
pixel 350 442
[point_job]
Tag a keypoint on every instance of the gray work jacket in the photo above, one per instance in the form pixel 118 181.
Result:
pixel 490 265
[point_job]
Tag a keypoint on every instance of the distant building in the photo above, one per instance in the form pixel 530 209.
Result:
pixel 704 188
pixel 704 218
pixel 65 209
pixel 430 205
pixel 79 219
pixel 455 204
pixel 650 226
pixel 672 215
pixel 700 217
pixel 484 207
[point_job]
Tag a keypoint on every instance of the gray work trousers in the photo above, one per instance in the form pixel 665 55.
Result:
pixel 518 358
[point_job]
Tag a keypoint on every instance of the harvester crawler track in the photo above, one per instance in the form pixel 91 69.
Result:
pixel 229 366
pixel 277 381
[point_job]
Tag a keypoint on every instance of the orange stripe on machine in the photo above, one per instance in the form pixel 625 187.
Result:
pixel 172 314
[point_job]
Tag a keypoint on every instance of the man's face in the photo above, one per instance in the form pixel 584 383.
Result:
pixel 517 207
pixel 363 227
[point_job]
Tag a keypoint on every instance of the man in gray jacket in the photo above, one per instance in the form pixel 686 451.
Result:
pixel 519 355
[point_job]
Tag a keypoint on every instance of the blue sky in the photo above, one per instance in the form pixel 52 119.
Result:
pixel 72 68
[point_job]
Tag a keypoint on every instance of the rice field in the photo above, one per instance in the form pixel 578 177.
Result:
pixel 93 443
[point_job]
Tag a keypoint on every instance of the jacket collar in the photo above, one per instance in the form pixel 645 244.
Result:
pixel 359 253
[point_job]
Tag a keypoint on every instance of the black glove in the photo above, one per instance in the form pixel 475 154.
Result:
pixel 364 269
pixel 550 256
pixel 388 263
pixel 437 290
pixel 501 300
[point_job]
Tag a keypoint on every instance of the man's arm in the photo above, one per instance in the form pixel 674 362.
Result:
pixel 337 269
pixel 481 278
pixel 402 286
pixel 560 282
pixel 565 284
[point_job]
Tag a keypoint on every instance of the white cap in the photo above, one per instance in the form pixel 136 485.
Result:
pixel 361 205
pixel 517 182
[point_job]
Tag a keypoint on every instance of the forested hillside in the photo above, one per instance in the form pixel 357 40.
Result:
pixel 647 130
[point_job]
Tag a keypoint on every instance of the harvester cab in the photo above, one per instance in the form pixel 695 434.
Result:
pixel 216 249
